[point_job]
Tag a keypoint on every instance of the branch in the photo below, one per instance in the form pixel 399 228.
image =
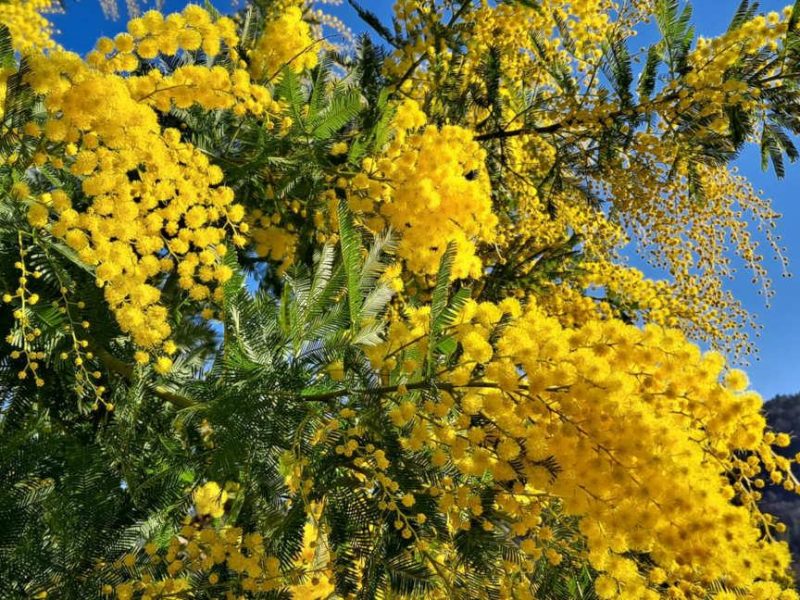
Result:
pixel 112 363
pixel 416 385
pixel 507 133
pixel 634 111
pixel 410 71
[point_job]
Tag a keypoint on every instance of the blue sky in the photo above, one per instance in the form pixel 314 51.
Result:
pixel 777 368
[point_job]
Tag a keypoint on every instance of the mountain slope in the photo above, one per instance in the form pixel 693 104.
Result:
pixel 783 414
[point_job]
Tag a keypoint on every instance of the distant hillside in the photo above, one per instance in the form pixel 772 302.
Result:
pixel 783 414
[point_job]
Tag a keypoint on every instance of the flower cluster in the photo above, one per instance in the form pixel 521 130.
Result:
pixel 28 334
pixel 209 499
pixel 533 391
pixel 30 31
pixel 207 552
pixel 435 171
pixel 270 239
pixel 153 203
pixel 285 42
pixel 153 33
pixel 201 550
pixel 652 185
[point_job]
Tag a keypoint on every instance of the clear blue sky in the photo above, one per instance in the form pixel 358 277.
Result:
pixel 777 369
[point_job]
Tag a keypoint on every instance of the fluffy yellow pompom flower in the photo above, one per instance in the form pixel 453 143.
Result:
pixel 38 215
pixel 605 587
pixel 736 380
pixel 209 499
pixel 339 148
pixel 163 365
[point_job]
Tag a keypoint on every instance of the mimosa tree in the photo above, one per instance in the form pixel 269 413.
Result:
pixel 291 316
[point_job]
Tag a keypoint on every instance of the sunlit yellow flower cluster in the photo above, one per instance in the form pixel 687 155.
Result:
pixel 713 57
pixel 29 30
pixel 201 550
pixel 437 171
pixel 209 499
pixel 566 389
pixel 285 42
pixel 549 391
pixel 270 239
pixel 656 301
pixel 153 33
pixel 132 219
pixel 156 203
pixel 689 237
pixel 648 186
pixel 28 334
pixel 192 30
pixel 313 563
pixel 206 552
pixel 214 89
pixel 505 29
